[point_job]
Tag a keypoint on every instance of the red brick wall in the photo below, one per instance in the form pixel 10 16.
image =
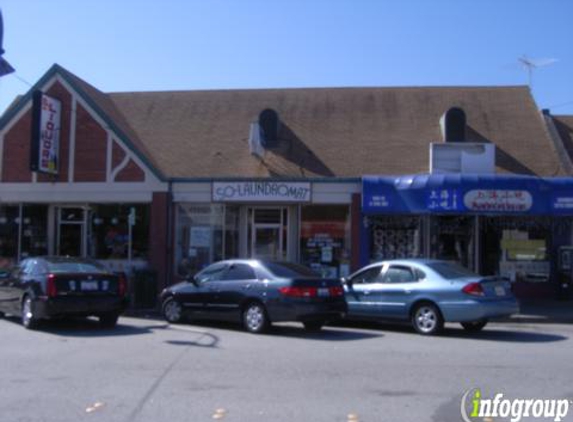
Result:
pixel 131 172
pixel 16 158
pixel 91 147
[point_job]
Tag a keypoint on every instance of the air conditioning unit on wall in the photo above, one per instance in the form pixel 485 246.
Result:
pixel 462 157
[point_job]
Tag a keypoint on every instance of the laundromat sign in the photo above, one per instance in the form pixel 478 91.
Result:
pixel 261 191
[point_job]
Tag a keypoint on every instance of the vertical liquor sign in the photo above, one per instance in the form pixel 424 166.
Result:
pixel 45 148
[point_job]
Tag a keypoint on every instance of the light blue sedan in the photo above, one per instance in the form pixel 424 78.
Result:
pixel 427 293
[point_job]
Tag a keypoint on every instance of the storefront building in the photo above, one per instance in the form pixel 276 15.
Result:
pixel 173 181
pixel 296 221
pixel 511 226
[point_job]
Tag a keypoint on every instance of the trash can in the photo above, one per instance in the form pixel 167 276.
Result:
pixel 144 289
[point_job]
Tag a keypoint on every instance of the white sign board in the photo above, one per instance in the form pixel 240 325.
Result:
pixel 261 191
pixel 46 137
pixel 498 200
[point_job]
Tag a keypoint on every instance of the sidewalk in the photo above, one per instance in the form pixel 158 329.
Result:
pixel 544 311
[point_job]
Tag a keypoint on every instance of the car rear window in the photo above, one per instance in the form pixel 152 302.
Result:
pixel 289 270
pixel 76 267
pixel 451 270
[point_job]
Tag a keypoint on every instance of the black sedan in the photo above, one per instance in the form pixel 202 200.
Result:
pixel 256 293
pixel 50 287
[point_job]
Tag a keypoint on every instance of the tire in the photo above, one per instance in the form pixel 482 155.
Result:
pixel 29 320
pixel 172 311
pixel 474 326
pixel 313 326
pixel 427 319
pixel 255 319
pixel 108 320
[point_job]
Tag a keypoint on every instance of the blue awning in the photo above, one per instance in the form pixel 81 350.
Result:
pixel 467 194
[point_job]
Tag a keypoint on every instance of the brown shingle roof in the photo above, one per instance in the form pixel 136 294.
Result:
pixel 564 125
pixel 344 132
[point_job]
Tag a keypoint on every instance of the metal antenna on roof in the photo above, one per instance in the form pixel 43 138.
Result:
pixel 531 64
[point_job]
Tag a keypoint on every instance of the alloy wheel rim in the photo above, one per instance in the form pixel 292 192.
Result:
pixel 254 317
pixel 27 311
pixel 426 319
pixel 173 311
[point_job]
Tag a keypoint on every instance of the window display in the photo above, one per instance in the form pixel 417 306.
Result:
pixel 9 230
pixel 110 231
pixel 205 234
pixel 325 239
pixel 395 237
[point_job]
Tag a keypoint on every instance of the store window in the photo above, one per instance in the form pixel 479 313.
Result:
pixel 9 231
pixel 325 239
pixel 452 239
pixel 205 234
pixel 522 254
pixel 34 240
pixel 23 232
pixel 395 237
pixel 109 236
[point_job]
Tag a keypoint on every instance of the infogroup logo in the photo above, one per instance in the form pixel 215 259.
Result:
pixel 475 407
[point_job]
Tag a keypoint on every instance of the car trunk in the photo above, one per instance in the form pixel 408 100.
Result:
pixel 85 284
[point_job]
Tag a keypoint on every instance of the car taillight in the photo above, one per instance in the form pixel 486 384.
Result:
pixel 122 285
pixel 474 289
pixel 51 289
pixel 337 291
pixel 298 291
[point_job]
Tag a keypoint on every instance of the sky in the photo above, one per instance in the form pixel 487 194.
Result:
pixel 144 45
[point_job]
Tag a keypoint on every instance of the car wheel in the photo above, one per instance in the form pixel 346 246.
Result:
pixel 108 320
pixel 172 311
pixel 29 320
pixel 474 326
pixel 313 326
pixel 255 318
pixel 427 319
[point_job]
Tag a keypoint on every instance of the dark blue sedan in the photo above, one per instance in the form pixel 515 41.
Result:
pixel 256 293
pixel 427 293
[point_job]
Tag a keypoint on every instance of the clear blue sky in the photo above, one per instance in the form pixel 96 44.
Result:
pixel 144 45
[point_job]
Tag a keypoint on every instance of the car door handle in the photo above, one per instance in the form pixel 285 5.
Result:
pixel 407 291
pixel 247 287
pixel 366 292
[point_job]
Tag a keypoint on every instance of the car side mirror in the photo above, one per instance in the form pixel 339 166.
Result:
pixel 346 281
pixel 191 279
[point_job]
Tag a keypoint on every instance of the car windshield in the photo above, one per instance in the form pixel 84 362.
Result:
pixel 289 270
pixel 451 270
pixel 76 267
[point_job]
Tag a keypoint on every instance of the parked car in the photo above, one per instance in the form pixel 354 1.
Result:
pixel 427 293
pixel 256 293
pixel 50 287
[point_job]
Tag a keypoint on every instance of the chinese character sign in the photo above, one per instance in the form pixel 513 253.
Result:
pixel 443 200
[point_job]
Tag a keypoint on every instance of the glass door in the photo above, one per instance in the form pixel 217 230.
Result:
pixel 268 233
pixel 71 232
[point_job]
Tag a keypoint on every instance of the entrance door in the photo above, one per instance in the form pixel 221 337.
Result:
pixel 71 231
pixel 268 233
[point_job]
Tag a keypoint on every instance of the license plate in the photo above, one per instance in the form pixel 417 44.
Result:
pixel 323 292
pixel 89 285
pixel 499 291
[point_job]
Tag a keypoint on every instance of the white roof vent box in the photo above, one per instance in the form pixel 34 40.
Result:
pixel 455 154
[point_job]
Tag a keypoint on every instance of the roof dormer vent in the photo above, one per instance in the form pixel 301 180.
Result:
pixel 453 124
pixel 269 123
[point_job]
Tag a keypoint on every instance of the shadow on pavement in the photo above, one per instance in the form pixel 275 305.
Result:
pixel 88 327
pixel 328 333
pixel 488 333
